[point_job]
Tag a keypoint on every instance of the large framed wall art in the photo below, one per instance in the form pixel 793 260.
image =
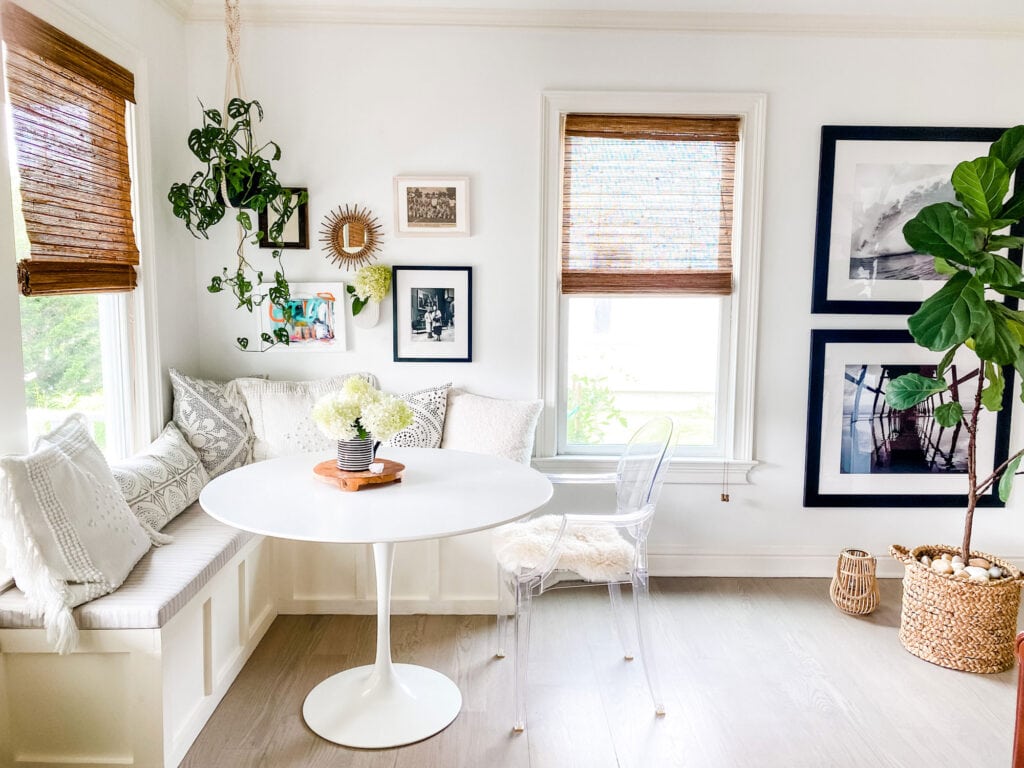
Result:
pixel 862 453
pixel 872 180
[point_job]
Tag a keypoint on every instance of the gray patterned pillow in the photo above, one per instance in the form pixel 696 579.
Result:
pixel 428 408
pixel 213 419
pixel 162 480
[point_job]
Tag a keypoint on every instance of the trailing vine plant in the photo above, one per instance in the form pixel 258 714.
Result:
pixel 238 173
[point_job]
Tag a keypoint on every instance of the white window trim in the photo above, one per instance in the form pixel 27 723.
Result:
pixel 739 387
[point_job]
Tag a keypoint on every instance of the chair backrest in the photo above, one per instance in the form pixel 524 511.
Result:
pixel 643 464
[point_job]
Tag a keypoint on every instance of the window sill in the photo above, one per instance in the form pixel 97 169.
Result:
pixel 682 471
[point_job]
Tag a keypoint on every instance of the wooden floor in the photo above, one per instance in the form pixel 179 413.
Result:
pixel 757 672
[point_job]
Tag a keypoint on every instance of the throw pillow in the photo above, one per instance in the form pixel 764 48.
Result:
pixel 212 418
pixel 428 408
pixel 163 480
pixel 69 533
pixel 280 414
pixel 488 425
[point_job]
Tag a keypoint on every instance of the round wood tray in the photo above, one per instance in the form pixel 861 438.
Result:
pixel 353 481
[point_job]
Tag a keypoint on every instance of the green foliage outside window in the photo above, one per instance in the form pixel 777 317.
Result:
pixel 591 408
pixel 61 349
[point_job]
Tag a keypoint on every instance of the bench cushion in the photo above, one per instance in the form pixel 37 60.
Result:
pixel 159 586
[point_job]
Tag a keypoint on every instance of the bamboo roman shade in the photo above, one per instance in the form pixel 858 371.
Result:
pixel 68 114
pixel 647 204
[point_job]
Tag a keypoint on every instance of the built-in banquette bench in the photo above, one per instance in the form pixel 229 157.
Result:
pixel 155 656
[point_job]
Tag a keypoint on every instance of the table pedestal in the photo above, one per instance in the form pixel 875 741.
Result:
pixel 384 705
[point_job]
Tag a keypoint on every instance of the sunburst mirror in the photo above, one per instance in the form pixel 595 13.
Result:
pixel 351 236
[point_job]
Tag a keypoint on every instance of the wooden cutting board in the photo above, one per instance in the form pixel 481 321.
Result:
pixel 354 481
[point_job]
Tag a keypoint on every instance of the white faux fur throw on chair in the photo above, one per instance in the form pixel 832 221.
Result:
pixel 595 552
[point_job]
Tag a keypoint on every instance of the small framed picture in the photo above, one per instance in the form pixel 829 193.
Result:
pixel 873 180
pixel 315 318
pixel 296 229
pixel 433 309
pixel 862 453
pixel 431 206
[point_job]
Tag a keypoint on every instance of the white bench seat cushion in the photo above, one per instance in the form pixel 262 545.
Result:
pixel 159 586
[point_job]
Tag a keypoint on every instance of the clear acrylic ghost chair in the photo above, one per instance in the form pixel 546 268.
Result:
pixel 572 550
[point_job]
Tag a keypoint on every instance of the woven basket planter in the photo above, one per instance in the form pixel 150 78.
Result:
pixel 955 623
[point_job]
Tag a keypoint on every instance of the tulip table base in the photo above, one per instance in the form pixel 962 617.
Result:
pixel 387 704
pixel 359 708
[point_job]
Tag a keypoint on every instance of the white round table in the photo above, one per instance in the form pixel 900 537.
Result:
pixel 442 493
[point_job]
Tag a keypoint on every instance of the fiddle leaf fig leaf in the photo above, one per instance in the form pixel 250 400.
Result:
pixel 949 414
pixel 947 358
pixel 943 267
pixel 950 315
pixel 992 395
pixel 1014 207
pixel 981 185
pixel 910 389
pixel 1009 148
pixel 938 230
pixel 993 339
pixel 998 242
pixel 1006 479
pixel 997 270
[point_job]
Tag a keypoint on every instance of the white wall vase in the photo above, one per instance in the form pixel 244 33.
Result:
pixel 369 315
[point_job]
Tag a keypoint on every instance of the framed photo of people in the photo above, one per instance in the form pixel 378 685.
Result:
pixel 863 453
pixel 433 310
pixel 872 180
pixel 431 206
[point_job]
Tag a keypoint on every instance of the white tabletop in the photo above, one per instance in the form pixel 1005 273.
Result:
pixel 442 493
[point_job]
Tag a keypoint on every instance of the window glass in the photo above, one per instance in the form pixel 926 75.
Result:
pixel 631 358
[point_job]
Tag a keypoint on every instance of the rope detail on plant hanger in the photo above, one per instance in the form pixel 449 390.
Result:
pixel 232 74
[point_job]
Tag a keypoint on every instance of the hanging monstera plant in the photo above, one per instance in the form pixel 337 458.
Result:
pixel 238 175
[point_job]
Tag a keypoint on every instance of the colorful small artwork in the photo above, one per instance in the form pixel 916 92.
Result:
pixel 309 316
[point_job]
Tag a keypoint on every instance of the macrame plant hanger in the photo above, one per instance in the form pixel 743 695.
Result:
pixel 232 79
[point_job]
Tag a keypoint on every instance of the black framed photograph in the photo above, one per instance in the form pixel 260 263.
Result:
pixel 431 206
pixel 862 453
pixel 296 229
pixel 872 180
pixel 433 310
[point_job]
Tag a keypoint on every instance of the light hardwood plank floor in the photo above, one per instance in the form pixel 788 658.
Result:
pixel 763 673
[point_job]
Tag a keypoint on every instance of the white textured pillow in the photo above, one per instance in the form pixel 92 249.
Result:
pixel 428 409
pixel 212 418
pixel 280 414
pixel 489 425
pixel 163 480
pixel 69 534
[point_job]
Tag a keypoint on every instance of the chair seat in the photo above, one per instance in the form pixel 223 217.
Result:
pixel 594 552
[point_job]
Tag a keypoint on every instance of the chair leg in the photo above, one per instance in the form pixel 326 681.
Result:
pixel 501 623
pixel 623 623
pixel 642 610
pixel 524 598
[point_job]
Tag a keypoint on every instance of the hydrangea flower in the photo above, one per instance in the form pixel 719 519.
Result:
pixel 359 410
pixel 372 282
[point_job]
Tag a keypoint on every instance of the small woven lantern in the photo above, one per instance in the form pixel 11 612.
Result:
pixel 854 588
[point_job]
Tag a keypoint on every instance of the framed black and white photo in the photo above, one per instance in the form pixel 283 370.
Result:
pixel 433 310
pixel 872 180
pixel 862 453
pixel 431 206
pixel 296 229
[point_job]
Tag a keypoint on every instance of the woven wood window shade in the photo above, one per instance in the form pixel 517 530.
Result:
pixel 647 204
pixel 68 113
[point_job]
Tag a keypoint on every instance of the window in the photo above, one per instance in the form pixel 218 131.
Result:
pixel 650 270
pixel 69 135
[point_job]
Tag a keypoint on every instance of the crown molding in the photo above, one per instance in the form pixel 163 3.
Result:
pixel 278 13
pixel 182 8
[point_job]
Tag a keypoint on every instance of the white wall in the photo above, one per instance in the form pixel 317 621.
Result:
pixel 352 106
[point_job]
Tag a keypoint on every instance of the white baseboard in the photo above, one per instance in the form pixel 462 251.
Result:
pixel 399 607
pixel 766 565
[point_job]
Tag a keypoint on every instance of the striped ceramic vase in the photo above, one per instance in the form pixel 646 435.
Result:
pixel 355 455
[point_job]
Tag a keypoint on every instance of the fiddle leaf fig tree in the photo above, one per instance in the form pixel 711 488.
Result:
pixel 967 239
pixel 238 173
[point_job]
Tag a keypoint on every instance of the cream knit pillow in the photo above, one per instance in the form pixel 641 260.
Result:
pixel 488 425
